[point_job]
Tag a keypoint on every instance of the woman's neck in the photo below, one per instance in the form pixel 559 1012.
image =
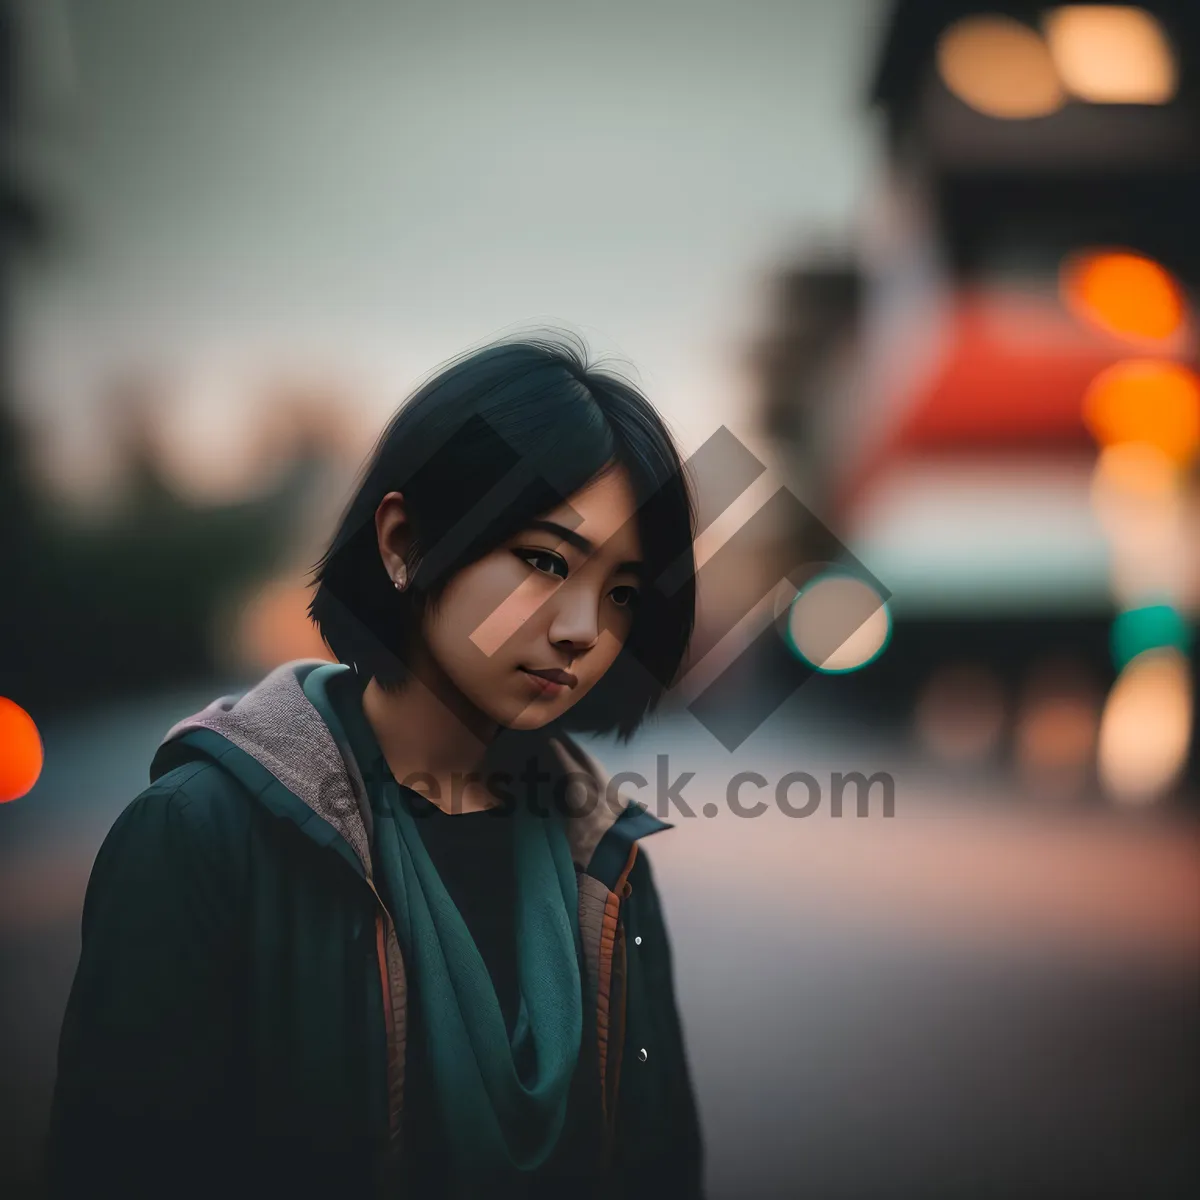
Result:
pixel 432 744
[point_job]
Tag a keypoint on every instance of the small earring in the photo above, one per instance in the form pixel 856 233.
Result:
pixel 401 578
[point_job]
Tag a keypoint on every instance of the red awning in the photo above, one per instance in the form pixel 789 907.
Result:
pixel 1012 378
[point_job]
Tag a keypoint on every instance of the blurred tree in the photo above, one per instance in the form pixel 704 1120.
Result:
pixel 87 613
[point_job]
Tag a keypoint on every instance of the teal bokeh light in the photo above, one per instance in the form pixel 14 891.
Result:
pixel 825 578
pixel 1148 627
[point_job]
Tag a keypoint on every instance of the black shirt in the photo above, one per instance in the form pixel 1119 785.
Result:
pixel 473 855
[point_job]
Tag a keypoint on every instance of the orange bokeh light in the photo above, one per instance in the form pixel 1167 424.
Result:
pixel 1123 293
pixel 20 751
pixel 1154 401
pixel 999 66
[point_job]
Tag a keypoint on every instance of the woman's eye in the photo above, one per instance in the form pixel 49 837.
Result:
pixel 630 598
pixel 533 556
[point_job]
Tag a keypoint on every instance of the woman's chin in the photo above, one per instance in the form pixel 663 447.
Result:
pixel 524 716
pixel 521 708
pixel 527 719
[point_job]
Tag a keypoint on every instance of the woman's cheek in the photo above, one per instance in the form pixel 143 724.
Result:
pixel 497 619
pixel 608 646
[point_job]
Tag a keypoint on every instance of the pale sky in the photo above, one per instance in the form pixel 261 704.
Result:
pixel 373 186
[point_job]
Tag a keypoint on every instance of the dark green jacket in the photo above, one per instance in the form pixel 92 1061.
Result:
pixel 237 1018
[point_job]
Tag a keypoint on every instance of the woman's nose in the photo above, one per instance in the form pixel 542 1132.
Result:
pixel 576 620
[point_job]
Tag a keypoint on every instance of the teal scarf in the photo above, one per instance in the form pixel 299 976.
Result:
pixel 502 1102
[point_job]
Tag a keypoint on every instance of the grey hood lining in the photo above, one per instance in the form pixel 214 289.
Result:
pixel 276 724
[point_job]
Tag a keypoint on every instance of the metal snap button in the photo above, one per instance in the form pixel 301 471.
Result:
pixel 642 1054
pixel 637 941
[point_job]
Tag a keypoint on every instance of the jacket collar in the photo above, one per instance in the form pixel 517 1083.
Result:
pixel 279 724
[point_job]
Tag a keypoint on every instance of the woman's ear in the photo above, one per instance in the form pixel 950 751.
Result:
pixel 393 533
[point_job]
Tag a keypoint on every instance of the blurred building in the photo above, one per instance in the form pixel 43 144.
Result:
pixel 992 397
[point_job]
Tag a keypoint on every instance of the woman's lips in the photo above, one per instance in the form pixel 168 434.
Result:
pixel 547 686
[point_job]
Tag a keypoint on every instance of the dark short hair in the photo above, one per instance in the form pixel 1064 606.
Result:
pixel 496 438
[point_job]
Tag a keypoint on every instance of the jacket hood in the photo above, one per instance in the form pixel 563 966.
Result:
pixel 297 762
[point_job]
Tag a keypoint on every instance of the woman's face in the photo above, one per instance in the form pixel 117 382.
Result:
pixel 561 594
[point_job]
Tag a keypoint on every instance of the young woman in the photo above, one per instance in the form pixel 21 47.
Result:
pixel 381 926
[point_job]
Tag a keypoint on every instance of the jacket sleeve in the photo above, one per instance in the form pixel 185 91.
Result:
pixel 659 1145
pixel 144 1096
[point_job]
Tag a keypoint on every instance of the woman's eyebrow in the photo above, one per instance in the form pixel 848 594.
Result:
pixel 583 544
